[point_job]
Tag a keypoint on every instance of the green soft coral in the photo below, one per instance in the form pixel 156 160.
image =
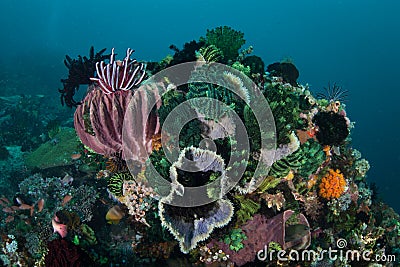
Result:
pixel 235 239
pixel 247 208
pixel 243 69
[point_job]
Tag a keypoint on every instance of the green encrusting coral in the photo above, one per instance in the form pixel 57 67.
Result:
pixel 56 152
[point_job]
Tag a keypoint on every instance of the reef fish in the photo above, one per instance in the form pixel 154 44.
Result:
pixel 66 199
pixel 58 227
pixel 114 215
pixel 40 204
pixel 8 210
pixel 76 156
pixel 295 232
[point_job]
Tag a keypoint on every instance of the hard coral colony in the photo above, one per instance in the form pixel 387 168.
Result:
pixel 332 185
pixel 310 192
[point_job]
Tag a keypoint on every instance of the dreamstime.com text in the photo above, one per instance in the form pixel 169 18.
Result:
pixel 330 253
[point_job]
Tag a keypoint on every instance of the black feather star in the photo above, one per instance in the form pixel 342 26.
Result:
pixel 80 71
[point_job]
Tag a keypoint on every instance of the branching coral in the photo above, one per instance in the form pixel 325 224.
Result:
pixel 138 198
pixel 275 201
pixel 83 201
pixel 312 206
pixel 332 184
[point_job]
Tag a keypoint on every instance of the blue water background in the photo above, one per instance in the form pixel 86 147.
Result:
pixel 354 43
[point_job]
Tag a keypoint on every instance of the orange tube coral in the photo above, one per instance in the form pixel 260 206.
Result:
pixel 332 184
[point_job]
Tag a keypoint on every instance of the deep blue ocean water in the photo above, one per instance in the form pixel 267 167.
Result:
pixel 354 43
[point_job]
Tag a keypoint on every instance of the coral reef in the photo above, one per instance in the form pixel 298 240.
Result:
pixel 135 193
pixel 138 198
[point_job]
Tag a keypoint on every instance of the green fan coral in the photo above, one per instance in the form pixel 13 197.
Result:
pixel 228 40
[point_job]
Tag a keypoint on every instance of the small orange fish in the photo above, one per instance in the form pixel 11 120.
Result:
pixel 58 227
pixel 102 200
pixel 66 199
pixel 24 206
pixel 76 156
pixel 8 210
pixel 5 200
pixel 40 204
